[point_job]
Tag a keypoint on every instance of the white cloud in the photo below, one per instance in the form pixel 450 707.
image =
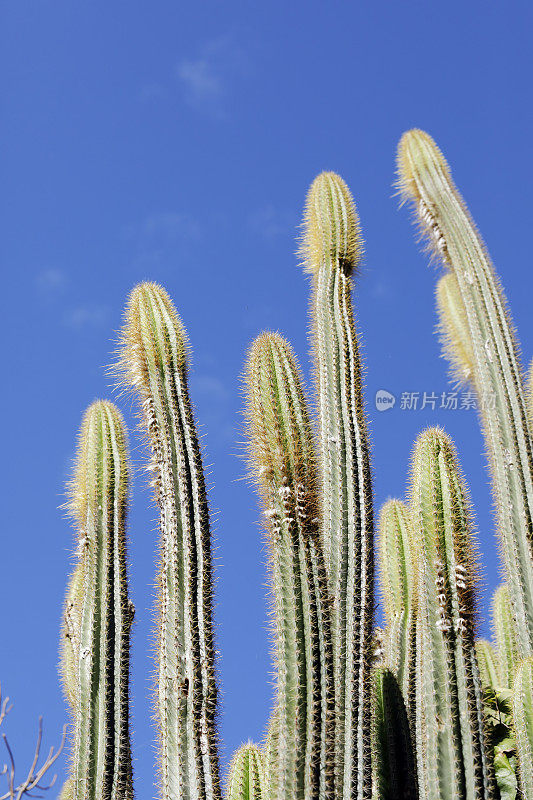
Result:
pixel 206 78
pixel 171 225
pixel 87 316
pixel 269 223
pixel 51 281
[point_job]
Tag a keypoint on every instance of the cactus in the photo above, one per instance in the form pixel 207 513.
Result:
pixel 154 360
pixel 394 761
pixel 419 726
pixel 247 775
pixel 453 328
pixel 332 249
pixel 425 178
pixel 505 635
pixel 451 737
pixel 523 725
pixel 284 467
pixel 398 568
pixel 489 664
pixel 98 614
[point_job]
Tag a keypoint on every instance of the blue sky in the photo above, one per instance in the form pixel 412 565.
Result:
pixel 175 142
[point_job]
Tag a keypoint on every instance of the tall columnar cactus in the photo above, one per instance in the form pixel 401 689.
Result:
pixel 98 615
pixel 450 733
pixel 505 635
pixel 523 725
pixel 247 775
pixel 393 756
pixel 399 577
pixel 284 466
pixel 332 249
pixel 154 362
pixel 424 177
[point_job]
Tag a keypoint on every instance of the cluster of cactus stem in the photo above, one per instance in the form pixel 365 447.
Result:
pixel 421 708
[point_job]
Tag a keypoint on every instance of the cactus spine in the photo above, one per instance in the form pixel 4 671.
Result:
pixel 247 775
pixel 523 725
pixel 98 615
pixel 332 249
pixel 424 177
pixel 283 464
pixel 154 362
pixel 451 739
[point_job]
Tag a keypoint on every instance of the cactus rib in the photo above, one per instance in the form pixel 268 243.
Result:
pixel 424 177
pixel 332 249
pixel 451 737
pixel 283 464
pixel 154 361
pixel 98 615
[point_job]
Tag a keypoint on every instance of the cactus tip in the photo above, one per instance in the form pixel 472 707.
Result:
pixel 331 225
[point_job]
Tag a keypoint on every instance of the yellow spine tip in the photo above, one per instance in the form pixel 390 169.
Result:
pixel 418 157
pixel 152 331
pixel 101 421
pixel 331 225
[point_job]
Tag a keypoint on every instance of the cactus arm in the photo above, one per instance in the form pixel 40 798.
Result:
pixel 452 741
pixel 98 616
pixel 283 464
pixel 394 762
pixel 489 664
pixel 247 775
pixel 453 328
pixel 154 361
pixel 424 177
pixel 523 725
pixel 332 249
pixel 398 568
pixel 505 635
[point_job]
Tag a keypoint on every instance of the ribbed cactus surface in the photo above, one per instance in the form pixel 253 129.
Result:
pixel 523 725
pixel 98 615
pixel 284 466
pixel 425 178
pixel 453 753
pixel 332 249
pixel 154 362
pixel 247 775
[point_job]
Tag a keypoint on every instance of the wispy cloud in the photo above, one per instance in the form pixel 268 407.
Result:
pixel 171 225
pixel 86 316
pixel 270 223
pixel 207 78
pixel 51 281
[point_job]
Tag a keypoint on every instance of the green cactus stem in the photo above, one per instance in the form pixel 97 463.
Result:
pixel 425 178
pixel 398 568
pixel 489 664
pixel 284 467
pixel 523 725
pixel 247 775
pixel 332 249
pixel 98 614
pixel 505 635
pixel 450 733
pixel 394 759
pixel 155 363
pixel 453 329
